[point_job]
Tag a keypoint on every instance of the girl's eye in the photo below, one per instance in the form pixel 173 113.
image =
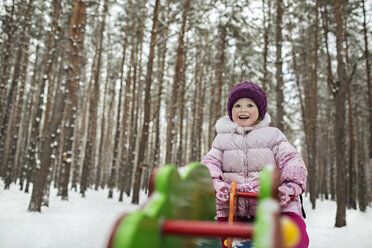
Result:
pixel 237 106
pixel 250 105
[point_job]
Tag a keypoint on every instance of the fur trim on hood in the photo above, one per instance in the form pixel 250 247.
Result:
pixel 225 125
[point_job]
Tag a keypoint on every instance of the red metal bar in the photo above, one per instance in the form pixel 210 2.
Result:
pixel 207 229
pixel 256 195
pixel 249 194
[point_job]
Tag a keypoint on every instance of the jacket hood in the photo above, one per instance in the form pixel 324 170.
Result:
pixel 225 125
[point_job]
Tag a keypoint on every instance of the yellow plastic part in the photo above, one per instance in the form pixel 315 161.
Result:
pixel 290 232
pixel 225 242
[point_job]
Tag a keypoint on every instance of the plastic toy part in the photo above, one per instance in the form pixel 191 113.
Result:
pixel 290 232
pixel 181 213
pixel 187 194
pixel 206 229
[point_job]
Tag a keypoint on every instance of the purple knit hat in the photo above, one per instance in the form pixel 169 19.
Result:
pixel 247 90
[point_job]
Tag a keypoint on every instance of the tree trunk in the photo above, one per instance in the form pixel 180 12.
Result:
pixel 195 103
pixel 31 148
pixel 311 112
pixel 352 155
pixel 56 130
pixel 7 110
pixel 267 27
pixel 49 127
pixel 108 147
pixel 362 179
pixel 9 28
pixel 181 115
pixel 171 122
pixel 368 73
pixel 142 160
pixel 221 69
pixel 279 66
pixel 15 108
pixel 135 110
pixel 339 99
pixel 105 133
pixel 22 133
pixel 331 87
pixel 351 193
pixel 122 132
pixel 136 173
pixel 308 92
pixel 79 137
pixel 76 42
pixel 125 170
pixel 91 143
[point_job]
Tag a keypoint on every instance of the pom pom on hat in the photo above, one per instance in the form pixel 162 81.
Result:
pixel 251 91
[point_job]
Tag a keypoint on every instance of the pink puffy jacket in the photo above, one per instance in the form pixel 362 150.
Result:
pixel 240 153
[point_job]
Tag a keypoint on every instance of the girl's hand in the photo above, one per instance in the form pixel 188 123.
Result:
pixel 251 187
pixel 288 191
pixel 222 195
pixel 222 191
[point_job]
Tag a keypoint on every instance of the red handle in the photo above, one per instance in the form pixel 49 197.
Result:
pixel 248 194
pixel 207 229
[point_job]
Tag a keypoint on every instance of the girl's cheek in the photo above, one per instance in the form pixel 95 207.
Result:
pixel 255 116
pixel 235 113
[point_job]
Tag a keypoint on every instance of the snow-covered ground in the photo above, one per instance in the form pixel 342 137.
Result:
pixel 87 222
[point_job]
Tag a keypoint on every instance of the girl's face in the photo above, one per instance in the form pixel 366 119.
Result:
pixel 245 112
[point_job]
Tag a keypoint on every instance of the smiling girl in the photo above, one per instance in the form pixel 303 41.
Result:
pixel 244 144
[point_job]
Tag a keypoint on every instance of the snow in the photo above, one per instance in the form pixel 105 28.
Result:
pixel 87 222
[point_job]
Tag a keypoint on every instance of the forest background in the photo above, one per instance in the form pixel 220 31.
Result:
pixel 96 93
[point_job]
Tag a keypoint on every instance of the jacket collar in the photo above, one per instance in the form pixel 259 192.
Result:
pixel 225 125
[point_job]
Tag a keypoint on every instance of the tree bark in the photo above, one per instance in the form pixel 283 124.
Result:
pixel 136 106
pixel 362 179
pixel 91 143
pixel 162 57
pixel 195 104
pixel 30 163
pixel 267 27
pixel 221 69
pixel 171 122
pixel 22 133
pixel 125 171
pixel 142 160
pixel 368 73
pixel 279 66
pixel 49 127
pixel 9 27
pixel 15 108
pixel 76 42
pixel 339 100
pixel 122 132
pixel 105 133
pixel 308 93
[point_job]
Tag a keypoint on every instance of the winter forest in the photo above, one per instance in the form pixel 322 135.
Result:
pixel 95 93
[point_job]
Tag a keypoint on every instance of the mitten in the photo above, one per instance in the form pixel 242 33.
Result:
pixel 248 187
pixel 222 191
pixel 287 193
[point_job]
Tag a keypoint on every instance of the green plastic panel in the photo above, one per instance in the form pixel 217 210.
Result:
pixel 186 193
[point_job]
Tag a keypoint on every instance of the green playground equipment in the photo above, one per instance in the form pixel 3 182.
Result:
pixel 181 212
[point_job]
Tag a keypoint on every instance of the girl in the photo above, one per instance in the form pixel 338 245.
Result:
pixel 243 145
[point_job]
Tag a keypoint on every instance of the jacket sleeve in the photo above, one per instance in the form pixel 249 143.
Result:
pixel 291 165
pixel 213 160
